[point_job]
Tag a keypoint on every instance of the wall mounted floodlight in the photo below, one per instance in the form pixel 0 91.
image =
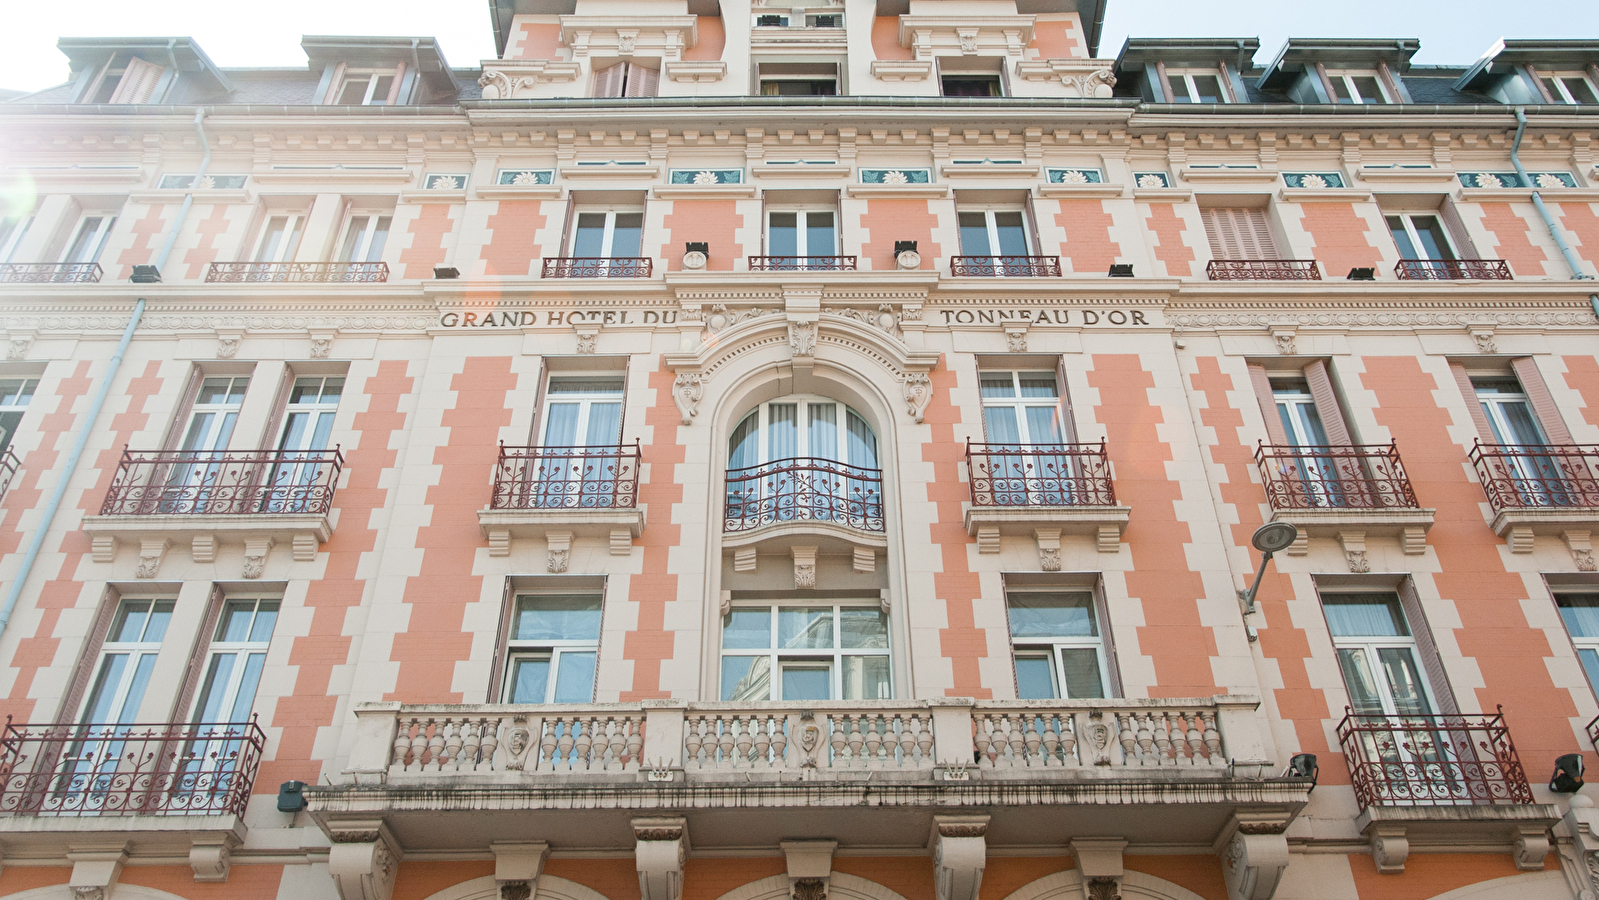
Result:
pixel 1363 273
pixel 1121 270
pixel 1303 765
pixel 1568 774
pixel 1273 537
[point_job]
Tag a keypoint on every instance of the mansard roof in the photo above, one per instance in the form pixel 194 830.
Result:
pixel 1297 53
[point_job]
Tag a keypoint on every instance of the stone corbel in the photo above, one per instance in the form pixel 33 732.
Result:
pixel 1100 862
pixel 1581 546
pixel 151 551
pixel 1483 335
pixel 499 542
pixel 517 866
pixel 1520 538
pixel 804 567
pixel 95 867
pixel 810 868
pixel 255 554
pixel 588 336
pixel 1254 853
pixel 865 560
pixel 960 853
pixel 211 855
pixel 103 548
pixel 988 539
pixel 1413 540
pixel 17 343
pixel 659 854
pixel 1582 864
pixel 621 542
pixel 228 342
pixel 1389 848
pixel 744 560
pixel 305 546
pixel 1354 543
pixel 560 544
pixel 1530 845
pixel 1016 337
pixel 918 391
pixel 204 548
pixel 363 859
pixel 1283 336
pixel 322 344
pixel 1048 548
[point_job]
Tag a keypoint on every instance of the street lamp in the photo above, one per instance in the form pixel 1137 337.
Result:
pixel 1268 539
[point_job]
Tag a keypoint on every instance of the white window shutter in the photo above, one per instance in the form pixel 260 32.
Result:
pixel 608 81
pixel 1238 233
pixel 642 82
pixel 138 82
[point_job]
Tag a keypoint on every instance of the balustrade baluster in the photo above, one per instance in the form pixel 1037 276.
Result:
pixel 924 738
pixel 453 740
pixel 1031 723
pixel 1196 739
pixel 903 748
pixel 779 742
pixel 981 737
pixel 402 745
pixel 874 739
pixel 725 740
pixel 1148 725
pixel 692 743
pixel 582 742
pixel 744 725
pixel 836 738
pixel 763 742
pixel 471 729
pixel 548 745
pixel 856 738
pixel 1212 739
pixel 1051 724
pixel 564 744
pixel 490 743
pixel 419 744
pixel 635 742
pixel 1127 735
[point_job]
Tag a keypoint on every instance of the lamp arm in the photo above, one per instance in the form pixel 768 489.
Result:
pixel 1247 598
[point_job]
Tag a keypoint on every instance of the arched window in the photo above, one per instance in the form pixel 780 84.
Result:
pixel 803 458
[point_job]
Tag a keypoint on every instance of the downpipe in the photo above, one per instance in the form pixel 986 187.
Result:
pixel 1572 262
pixel 188 196
pixel 14 592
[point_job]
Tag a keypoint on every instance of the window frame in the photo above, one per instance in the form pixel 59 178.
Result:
pixel 1020 403
pixel 1493 404
pixel 356 246
pixel 779 656
pixel 1580 643
pixel 802 230
pixel 988 211
pixel 372 76
pixel 294 229
pixel 1050 647
pixel 13 230
pixel 1346 79
pixel 586 401
pixel 608 231
pixel 1370 647
pixel 14 406
pixel 136 651
pixel 515 649
pixel 1414 234
pixel 217 647
pixel 72 253
pixel 1555 84
pixel 1297 424
pixel 1187 76
pixel 802 430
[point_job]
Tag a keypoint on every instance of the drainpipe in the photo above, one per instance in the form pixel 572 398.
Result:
pixel 1543 211
pixel 188 197
pixel 60 490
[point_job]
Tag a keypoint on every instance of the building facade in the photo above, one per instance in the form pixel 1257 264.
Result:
pixel 733 453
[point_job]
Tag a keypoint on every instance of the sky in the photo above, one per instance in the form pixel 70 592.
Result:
pixel 239 34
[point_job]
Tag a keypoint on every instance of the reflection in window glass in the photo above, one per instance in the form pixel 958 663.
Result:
pixel 818 653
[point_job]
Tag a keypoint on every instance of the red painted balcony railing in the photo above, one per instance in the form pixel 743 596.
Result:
pixel 1433 760
pixel 1544 476
pixel 597 267
pixel 566 478
pixel 1263 270
pixel 1452 269
pixel 286 272
pixel 802 264
pixel 129 770
pixel 1006 266
pixel 1040 475
pixel 804 489
pixel 8 470
pixel 1357 476
pixel 49 273
pixel 186 482
pixel 1593 733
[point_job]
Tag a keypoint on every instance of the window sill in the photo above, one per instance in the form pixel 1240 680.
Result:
pixel 151 535
pixel 619 524
pixel 519 192
pixel 1409 524
pixel 1324 195
pixel 1524 195
pixel 1082 191
pixel 1228 176
pixel 1105 523
pixel 176 195
pixel 432 196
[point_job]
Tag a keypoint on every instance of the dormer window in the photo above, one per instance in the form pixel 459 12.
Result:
pixel 126 79
pixel 627 79
pixel 368 87
pixel 1194 86
pixel 1569 87
pixel 798 79
pixel 1357 87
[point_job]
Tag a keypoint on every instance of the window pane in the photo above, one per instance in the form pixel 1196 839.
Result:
pixel 236 619
pixel 1043 426
pixel 862 443
pixel 1080 666
pixel 1590 665
pixel 1012 236
pixel 574 683
pixel 141 680
pixel 566 617
pixel 1208 88
pixel 819 234
pixel 746 677
pixel 1404 680
pixel 216 683
pixel 802 628
pixel 1358 680
pixel 160 616
pixel 1581 613
pixel 783 234
pixel 866 678
pixel 354 92
pixel 266 616
pixel 529 679
pixel 626 237
pixel 1396 227
pixel 997 385
pixel 1052 614
pixel 1431 234
pixel 380 236
pixel 380 90
pixel 1039 385
pixel 353 239
pixel 590 240
pixel 863 629
pixel 586 384
pixel 605 424
pixel 1035 678
pixel 823 430
pixel 807 682
pixel 1364 615
pixel 560 427
pixel 1367 86
pixel 974 234
pixel 245 698
pixel 1179 89
pixel 782 432
pixel 1001 425
pixel 743 445
pixel 1524 427
pixel 129 625
pixel 747 629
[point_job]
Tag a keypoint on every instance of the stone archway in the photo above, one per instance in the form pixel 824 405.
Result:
pixel 841 887
pixel 486 888
pixel 1068 885
pixel 1549 884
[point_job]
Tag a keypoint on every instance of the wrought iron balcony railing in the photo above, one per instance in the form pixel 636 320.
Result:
pixel 295 272
pixel 1006 266
pixel 1543 476
pixel 8 470
pixel 566 478
pixel 803 489
pixel 1452 269
pixel 196 483
pixel 1432 760
pixel 1032 475
pixel 172 769
pixel 49 273
pixel 597 267
pixel 1353 477
pixel 1263 270
pixel 802 264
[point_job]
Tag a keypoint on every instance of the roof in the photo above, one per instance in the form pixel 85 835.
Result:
pixel 422 52
pixel 1505 56
pixel 1353 52
pixel 1137 52
pixel 87 52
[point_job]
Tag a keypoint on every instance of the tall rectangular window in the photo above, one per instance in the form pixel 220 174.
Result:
pixel 608 235
pixel 1056 640
pixel 1581 615
pixel 1296 409
pixel 1021 407
pixel 237 655
pixel 280 236
pixel 1377 654
pixel 1420 236
pixel 90 239
pixel 805 652
pixel 801 233
pixel 215 410
pixel 12 230
pixel 127 658
pixel 1509 411
pixel 627 79
pixel 14 396
pixel 994 232
pixel 552 648
pixel 365 238
pixel 583 411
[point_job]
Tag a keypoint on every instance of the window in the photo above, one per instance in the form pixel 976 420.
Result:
pixel 12 231
pixel 1296 407
pixel 1581 615
pixel 368 87
pixel 1420 236
pixel 1197 86
pixel 1058 650
pixel 793 235
pixel 126 80
pixel 1021 407
pixel 798 79
pixel 994 232
pixel 1509 412
pixel 238 652
pixel 313 402
pixel 1357 87
pixel 809 652
pixel 1239 233
pixel 803 458
pixel 627 79
pixel 126 660
pixel 802 427
pixel 280 236
pixel 89 240
pixel 364 238
pixel 1569 87
pixel 14 396
pixel 215 410
pixel 1377 654
pixel 972 85
pixel 553 644
pixel 608 235
pixel 583 411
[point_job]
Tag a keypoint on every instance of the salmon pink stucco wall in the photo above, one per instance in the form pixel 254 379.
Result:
pixel 886 221
pixel 712 39
pixel 885 39
pixel 650 645
pixel 1341 237
pixel 716 222
pixel 961 641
